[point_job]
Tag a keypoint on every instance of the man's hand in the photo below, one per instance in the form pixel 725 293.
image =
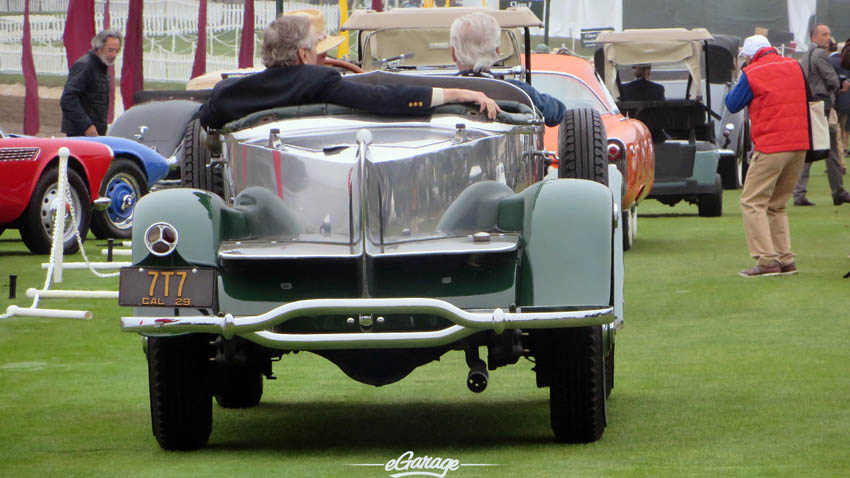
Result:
pixel 91 130
pixel 457 95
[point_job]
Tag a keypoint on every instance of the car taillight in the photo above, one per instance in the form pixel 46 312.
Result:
pixel 615 153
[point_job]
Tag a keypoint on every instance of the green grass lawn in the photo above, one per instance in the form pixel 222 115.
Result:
pixel 716 375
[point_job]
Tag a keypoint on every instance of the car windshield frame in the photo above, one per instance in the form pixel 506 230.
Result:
pixel 606 104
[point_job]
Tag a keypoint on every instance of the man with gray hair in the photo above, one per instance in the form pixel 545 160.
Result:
pixel 294 76
pixel 85 98
pixel 475 49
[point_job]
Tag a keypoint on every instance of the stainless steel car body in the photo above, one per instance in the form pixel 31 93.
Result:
pixel 363 188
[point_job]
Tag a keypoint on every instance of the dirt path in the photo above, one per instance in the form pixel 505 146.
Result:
pixel 49 112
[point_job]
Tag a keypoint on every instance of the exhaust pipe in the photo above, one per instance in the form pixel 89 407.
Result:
pixel 478 376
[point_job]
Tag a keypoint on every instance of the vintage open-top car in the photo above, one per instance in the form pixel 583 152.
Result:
pixel 573 80
pixel 687 154
pixel 382 243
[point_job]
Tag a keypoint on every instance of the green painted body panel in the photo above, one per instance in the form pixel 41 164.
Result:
pixel 564 259
pixel 202 221
pixel 567 226
pixel 705 167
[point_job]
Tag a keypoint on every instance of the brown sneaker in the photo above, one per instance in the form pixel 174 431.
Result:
pixel 788 269
pixel 762 271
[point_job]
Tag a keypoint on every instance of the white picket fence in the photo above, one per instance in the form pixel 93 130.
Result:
pixel 161 18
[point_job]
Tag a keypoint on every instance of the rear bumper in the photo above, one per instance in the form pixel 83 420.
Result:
pixel 256 328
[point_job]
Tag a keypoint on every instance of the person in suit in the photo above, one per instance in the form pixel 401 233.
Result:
pixel 292 49
pixel 641 89
pixel 474 41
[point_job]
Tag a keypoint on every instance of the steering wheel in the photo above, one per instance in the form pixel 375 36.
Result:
pixel 337 63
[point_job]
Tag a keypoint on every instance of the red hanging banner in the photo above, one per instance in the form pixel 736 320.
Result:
pixel 132 71
pixel 200 65
pixel 110 111
pixel 246 47
pixel 79 29
pixel 31 120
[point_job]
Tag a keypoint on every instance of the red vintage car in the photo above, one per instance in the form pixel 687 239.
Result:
pixel 29 175
pixel 574 81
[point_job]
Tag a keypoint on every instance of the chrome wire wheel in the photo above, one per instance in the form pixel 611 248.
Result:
pixel 49 203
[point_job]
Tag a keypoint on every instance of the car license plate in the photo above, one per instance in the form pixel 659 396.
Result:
pixel 172 287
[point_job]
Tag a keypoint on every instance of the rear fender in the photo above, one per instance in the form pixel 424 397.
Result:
pixel 568 231
pixel 202 221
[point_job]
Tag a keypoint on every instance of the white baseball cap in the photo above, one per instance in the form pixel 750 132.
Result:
pixel 753 44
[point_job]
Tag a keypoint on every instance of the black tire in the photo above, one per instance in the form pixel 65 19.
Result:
pixel 238 387
pixel 629 219
pixel 711 205
pixel 180 396
pixel 36 225
pixel 582 146
pixel 125 183
pixel 730 172
pixel 195 169
pixel 609 372
pixel 577 389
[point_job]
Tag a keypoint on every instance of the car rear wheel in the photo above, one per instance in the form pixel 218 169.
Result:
pixel 711 204
pixel 197 170
pixel 238 387
pixel 609 372
pixel 582 148
pixel 629 227
pixel 124 184
pixel 37 222
pixel 180 396
pixel 578 385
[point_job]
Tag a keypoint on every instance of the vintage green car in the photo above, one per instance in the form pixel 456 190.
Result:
pixel 381 243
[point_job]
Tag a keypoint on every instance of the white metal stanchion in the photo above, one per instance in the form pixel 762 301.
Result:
pixel 58 249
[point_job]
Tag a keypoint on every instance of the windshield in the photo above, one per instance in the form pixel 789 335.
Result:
pixel 569 89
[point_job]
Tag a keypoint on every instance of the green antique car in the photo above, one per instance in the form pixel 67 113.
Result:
pixel 381 243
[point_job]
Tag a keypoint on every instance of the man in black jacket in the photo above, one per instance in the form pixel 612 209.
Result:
pixel 85 99
pixel 293 77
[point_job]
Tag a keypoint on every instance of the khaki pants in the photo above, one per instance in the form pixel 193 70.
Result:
pixel 770 181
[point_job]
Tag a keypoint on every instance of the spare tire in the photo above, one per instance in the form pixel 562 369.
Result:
pixel 196 169
pixel 582 148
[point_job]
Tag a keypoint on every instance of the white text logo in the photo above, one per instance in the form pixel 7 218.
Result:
pixel 408 464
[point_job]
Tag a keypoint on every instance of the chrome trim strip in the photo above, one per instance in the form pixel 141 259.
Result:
pixel 466 323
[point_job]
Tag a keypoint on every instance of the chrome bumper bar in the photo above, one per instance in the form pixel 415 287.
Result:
pixel 254 328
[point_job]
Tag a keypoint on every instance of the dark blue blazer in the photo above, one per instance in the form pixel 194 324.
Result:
pixel 641 90
pixel 235 98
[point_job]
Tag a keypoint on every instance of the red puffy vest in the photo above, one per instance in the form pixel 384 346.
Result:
pixel 779 111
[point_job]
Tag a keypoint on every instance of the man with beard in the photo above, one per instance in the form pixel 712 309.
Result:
pixel 85 99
